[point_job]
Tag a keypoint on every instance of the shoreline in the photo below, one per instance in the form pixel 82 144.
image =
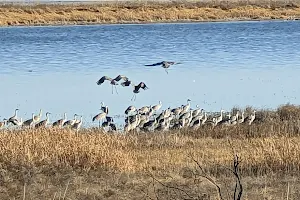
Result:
pixel 56 24
pixel 144 13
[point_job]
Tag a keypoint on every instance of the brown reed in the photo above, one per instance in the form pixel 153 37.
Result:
pixel 145 12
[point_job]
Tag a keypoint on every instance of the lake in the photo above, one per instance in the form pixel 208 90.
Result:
pixel 224 64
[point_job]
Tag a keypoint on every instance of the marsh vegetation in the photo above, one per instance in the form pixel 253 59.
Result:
pixel 146 12
pixel 55 163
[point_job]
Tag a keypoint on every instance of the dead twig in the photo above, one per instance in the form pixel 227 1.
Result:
pixel 238 181
pixel 206 176
pixel 172 187
pixel 236 173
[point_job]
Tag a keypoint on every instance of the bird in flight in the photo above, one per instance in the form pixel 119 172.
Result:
pixel 113 82
pixel 164 64
pixel 137 89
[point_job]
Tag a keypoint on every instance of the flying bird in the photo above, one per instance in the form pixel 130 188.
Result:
pixel 164 64
pixel 119 77
pixel 137 89
pixel 139 86
pixel 113 82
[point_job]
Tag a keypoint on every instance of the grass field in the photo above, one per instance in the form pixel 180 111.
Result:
pixel 61 164
pixel 146 12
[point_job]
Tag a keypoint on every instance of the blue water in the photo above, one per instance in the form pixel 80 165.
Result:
pixel 224 65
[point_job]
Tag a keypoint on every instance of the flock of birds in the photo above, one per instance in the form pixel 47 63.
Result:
pixel 146 118
pixel 36 122
pixel 126 82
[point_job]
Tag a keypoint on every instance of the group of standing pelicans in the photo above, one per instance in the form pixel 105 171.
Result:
pixel 145 119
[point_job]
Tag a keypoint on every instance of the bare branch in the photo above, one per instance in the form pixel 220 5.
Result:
pixel 236 173
pixel 147 195
pixel 208 178
pixel 179 190
pixel 147 186
pixel 154 190
pixel 171 187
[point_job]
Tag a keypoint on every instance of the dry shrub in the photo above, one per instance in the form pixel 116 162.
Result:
pixel 289 112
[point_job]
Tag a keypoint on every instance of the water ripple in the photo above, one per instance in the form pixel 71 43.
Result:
pixel 224 64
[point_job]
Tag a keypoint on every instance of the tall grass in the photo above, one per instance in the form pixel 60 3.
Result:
pixel 139 12
pixel 271 144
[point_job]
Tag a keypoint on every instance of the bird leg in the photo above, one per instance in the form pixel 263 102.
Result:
pixel 166 71
pixel 112 89
pixel 133 97
pixel 116 89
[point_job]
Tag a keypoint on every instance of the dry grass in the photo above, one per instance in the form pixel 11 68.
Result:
pixel 269 145
pixel 47 160
pixel 139 153
pixel 139 12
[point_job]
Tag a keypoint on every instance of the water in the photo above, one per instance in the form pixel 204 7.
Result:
pixel 224 65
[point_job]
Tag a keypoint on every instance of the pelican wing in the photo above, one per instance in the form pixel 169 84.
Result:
pixel 143 85
pixel 119 77
pixel 127 83
pixel 155 64
pixel 172 63
pixel 102 79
